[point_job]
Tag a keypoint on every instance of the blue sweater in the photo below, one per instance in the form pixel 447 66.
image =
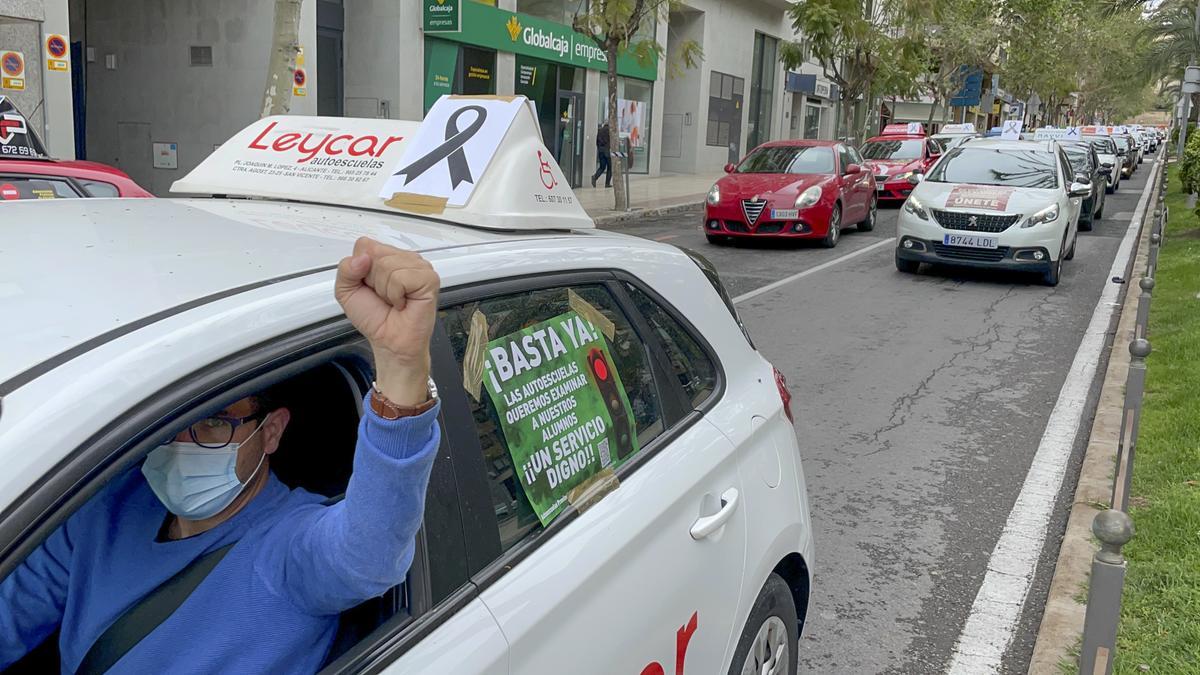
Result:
pixel 271 605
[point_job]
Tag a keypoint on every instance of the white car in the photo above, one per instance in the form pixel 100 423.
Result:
pixel 687 534
pixel 1106 150
pixel 953 135
pixel 1002 204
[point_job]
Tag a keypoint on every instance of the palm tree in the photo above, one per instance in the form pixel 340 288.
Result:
pixel 1173 43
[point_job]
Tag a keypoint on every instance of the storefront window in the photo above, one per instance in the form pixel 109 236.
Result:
pixel 552 10
pixel 634 101
pixel 557 93
pixel 455 69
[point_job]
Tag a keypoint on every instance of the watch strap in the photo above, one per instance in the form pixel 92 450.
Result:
pixel 392 411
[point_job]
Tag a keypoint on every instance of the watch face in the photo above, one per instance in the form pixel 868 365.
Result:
pixel 432 388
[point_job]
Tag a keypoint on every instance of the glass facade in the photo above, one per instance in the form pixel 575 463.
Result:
pixel 557 93
pixel 635 99
pixel 762 90
pixel 812 121
pixel 451 68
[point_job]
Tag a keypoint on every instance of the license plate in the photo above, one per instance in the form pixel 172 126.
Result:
pixel 785 214
pixel 879 187
pixel 970 241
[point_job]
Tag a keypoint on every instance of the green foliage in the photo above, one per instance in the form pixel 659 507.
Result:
pixel 1189 168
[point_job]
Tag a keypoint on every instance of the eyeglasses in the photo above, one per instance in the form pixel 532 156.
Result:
pixel 217 431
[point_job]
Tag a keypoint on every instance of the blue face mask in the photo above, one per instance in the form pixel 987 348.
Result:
pixel 195 482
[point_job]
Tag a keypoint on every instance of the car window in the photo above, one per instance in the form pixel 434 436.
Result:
pixel 844 156
pixel 688 360
pixel 25 187
pixel 989 166
pixel 857 158
pixel 98 188
pixel 1068 171
pixel 560 389
pixel 933 147
pixel 788 159
pixel 892 149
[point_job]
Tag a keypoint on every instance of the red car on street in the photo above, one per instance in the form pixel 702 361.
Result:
pixel 897 156
pixel 27 173
pixel 792 190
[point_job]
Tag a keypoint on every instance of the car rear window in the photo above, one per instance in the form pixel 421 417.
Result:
pixel 788 159
pixel 98 188
pixel 688 361
pixel 549 427
pixel 13 188
pixel 993 166
pixel 893 149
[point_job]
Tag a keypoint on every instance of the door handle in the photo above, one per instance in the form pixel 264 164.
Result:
pixel 707 525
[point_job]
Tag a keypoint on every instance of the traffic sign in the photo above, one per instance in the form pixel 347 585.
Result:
pixel 56 52
pixel 12 70
pixel 299 78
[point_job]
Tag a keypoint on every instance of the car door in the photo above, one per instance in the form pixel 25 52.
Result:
pixel 643 568
pixel 855 188
pixel 1074 204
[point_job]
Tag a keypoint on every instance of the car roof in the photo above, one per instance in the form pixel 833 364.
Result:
pixel 131 259
pixel 800 142
pixel 897 137
pixel 1004 144
pixel 68 168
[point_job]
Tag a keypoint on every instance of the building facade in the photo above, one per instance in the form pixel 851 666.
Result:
pixel 186 75
pixel 35 69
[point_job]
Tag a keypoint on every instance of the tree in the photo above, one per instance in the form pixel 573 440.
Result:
pixel 614 26
pixel 864 46
pixel 285 45
pixel 963 38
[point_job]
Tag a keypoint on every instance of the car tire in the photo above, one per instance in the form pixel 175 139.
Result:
pixel 1050 276
pixel 906 266
pixel 869 224
pixel 1112 186
pixel 1098 214
pixel 834 232
pixel 715 239
pixel 770 640
pixel 1071 251
pixel 1085 225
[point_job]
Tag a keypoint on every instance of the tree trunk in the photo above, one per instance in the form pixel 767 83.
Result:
pixel 615 144
pixel 277 96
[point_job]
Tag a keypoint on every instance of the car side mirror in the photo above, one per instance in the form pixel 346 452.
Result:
pixel 1104 170
pixel 730 167
pixel 853 169
pixel 916 178
pixel 1081 189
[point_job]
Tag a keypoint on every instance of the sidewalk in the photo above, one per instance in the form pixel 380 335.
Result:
pixel 648 195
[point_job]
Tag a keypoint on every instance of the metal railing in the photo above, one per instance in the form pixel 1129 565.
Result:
pixel 1114 527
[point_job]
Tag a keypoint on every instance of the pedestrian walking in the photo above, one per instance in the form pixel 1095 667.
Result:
pixel 603 159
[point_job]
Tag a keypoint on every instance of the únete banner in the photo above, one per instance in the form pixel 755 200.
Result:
pixel 561 406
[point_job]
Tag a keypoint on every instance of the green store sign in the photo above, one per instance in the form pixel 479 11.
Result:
pixel 487 26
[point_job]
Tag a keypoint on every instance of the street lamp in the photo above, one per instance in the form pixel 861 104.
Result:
pixel 1190 85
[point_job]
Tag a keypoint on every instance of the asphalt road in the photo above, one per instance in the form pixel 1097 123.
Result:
pixel 920 403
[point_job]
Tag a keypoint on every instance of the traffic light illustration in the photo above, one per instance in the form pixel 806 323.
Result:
pixel 606 382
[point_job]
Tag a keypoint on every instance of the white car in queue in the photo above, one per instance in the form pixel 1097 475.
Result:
pixel 676 527
pixel 1110 157
pixel 1003 204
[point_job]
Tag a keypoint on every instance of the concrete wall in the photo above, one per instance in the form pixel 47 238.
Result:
pixel 46 100
pixel 684 115
pixel 384 59
pixel 725 31
pixel 155 95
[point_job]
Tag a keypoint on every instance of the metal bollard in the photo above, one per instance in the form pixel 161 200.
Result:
pixel 1131 413
pixel 1114 529
pixel 1146 283
pixel 1152 259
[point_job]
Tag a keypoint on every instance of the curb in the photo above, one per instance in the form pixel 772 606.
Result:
pixel 610 218
pixel 1061 628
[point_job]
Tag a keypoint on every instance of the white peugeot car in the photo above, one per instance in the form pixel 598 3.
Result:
pixel 1002 204
pixel 679 527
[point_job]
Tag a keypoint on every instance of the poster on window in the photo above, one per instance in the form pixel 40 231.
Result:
pixel 631 122
pixel 561 406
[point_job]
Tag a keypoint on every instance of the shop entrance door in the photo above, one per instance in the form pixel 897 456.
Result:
pixel 568 141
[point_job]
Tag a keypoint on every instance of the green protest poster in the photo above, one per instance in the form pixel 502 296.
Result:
pixel 561 406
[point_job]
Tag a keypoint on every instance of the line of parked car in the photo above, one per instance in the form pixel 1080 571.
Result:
pixel 969 199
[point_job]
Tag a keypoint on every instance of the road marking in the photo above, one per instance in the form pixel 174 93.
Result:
pixel 996 611
pixel 812 270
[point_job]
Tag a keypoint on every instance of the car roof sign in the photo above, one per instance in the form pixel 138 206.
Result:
pixel 904 128
pixel 17 139
pixel 487 170
pixel 963 128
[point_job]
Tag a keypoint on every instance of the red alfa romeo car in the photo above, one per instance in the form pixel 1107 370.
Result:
pixel 793 190
pixel 896 156
pixel 27 173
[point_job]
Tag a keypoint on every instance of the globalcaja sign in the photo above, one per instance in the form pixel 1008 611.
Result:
pixel 486 26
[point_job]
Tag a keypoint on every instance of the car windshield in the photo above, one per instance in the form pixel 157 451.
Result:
pixel 1102 144
pixel 990 166
pixel 897 149
pixel 951 140
pixel 788 159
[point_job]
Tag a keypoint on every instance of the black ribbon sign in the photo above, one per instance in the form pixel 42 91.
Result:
pixel 451 150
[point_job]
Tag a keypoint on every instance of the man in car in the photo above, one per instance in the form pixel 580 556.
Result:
pixel 271 604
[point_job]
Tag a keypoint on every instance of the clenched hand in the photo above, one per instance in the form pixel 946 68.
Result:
pixel 390 295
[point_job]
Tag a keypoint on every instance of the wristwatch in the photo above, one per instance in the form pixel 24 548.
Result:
pixel 391 411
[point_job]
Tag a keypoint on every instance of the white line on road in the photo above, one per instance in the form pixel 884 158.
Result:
pixel 993 620
pixel 812 270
